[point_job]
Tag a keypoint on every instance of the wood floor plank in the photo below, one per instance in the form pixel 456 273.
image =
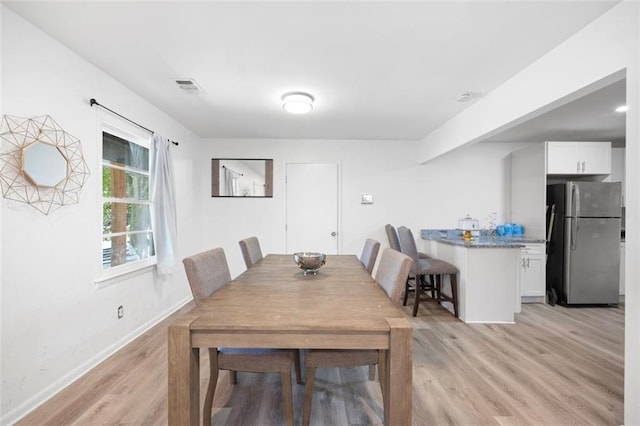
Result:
pixel 555 366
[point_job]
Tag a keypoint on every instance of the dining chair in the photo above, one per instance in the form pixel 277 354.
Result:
pixel 251 252
pixel 208 272
pixel 421 268
pixel 391 276
pixel 369 254
pixel 368 260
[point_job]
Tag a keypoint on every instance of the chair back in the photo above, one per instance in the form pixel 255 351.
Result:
pixel 392 236
pixel 408 246
pixel 207 273
pixel 251 252
pixel 369 254
pixel 392 273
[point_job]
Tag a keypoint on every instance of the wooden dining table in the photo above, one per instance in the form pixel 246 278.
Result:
pixel 273 305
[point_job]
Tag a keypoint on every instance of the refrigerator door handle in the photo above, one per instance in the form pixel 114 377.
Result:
pixel 574 233
pixel 576 201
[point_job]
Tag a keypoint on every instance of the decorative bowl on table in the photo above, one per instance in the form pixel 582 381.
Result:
pixel 309 262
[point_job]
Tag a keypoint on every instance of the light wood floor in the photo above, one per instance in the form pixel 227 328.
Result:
pixel 555 366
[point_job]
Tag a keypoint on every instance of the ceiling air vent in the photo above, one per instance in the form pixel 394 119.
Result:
pixel 189 85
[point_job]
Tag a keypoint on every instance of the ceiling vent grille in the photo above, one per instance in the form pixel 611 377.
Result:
pixel 189 85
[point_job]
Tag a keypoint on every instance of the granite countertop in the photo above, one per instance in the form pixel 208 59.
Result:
pixel 484 240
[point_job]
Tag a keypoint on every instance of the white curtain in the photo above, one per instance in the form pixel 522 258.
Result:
pixel 163 201
pixel 229 183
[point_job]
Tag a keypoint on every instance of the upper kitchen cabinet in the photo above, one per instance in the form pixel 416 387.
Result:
pixel 578 158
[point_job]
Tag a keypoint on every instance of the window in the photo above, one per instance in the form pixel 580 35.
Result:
pixel 127 235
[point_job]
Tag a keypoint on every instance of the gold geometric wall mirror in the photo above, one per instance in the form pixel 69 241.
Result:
pixel 40 163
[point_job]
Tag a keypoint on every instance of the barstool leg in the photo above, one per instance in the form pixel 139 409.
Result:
pixel 432 285
pixel 406 292
pixel 417 291
pixel 454 293
pixel 438 286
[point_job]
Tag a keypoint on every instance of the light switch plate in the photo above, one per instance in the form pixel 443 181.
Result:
pixel 366 199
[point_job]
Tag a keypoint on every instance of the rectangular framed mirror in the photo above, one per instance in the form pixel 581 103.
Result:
pixel 242 177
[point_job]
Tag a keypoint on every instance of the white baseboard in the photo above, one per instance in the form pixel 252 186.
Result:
pixel 533 299
pixel 47 393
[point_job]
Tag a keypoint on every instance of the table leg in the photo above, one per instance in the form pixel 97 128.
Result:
pixel 184 375
pixel 397 395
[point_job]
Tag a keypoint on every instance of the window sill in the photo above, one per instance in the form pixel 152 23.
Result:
pixel 114 275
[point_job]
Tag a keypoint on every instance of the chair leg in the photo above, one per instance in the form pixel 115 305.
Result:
pixel 308 395
pixel 432 281
pixel 406 292
pixel 211 388
pixel 438 287
pixel 233 378
pixel 296 364
pixel 454 293
pixel 372 372
pixel 285 379
pixel 416 302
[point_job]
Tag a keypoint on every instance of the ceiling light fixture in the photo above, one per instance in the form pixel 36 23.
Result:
pixel 297 102
pixel 622 108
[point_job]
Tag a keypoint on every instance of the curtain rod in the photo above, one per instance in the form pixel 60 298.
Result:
pixel 93 102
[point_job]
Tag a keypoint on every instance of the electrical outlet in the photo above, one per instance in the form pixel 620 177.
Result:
pixel 120 311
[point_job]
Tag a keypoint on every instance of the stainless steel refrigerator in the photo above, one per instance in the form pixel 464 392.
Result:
pixel 583 253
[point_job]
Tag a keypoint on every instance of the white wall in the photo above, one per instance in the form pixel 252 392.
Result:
pixel 1 221
pixel 56 322
pixel 600 53
pixel 474 181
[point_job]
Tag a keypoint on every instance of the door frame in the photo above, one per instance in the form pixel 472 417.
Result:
pixel 338 163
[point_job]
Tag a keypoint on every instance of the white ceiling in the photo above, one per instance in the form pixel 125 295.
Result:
pixel 378 70
pixel 589 118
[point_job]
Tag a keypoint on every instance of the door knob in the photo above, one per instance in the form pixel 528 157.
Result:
pixel 333 234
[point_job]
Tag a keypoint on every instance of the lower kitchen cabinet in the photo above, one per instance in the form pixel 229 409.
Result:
pixel 532 273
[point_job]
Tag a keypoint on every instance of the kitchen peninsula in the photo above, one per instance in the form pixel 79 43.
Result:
pixel 488 289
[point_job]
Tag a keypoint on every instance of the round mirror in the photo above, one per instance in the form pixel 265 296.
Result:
pixel 44 164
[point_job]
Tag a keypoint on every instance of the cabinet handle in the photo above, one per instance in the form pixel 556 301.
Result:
pixel 578 166
pixel 583 167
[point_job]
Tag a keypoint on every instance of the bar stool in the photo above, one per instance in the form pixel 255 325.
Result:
pixel 432 267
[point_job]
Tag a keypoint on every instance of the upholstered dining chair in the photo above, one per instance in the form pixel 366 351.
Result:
pixel 369 254
pixel 208 272
pixel 427 267
pixel 391 275
pixel 251 251
pixel 368 260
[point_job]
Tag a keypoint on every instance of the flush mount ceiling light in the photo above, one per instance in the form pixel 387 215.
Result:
pixel 622 108
pixel 297 102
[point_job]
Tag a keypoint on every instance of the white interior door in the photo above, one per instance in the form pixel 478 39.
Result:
pixel 312 207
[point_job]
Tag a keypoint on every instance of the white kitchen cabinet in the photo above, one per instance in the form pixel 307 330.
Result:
pixel 532 274
pixel 578 158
